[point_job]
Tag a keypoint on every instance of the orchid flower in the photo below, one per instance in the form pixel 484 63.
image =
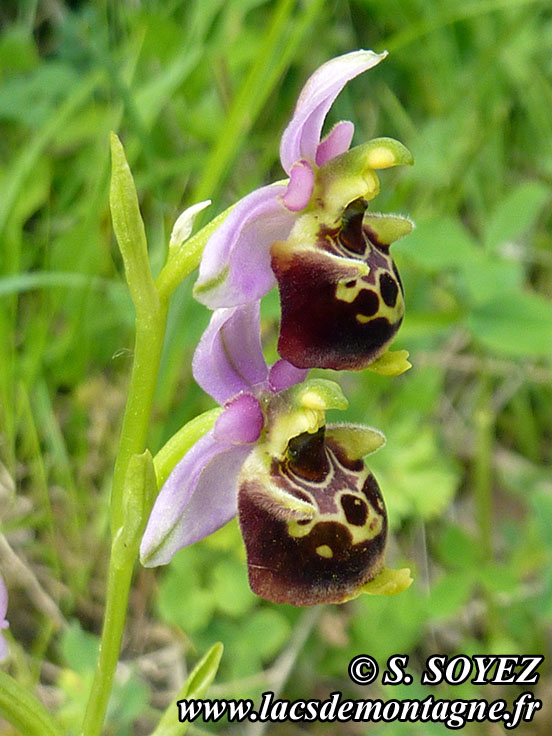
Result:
pixel 3 622
pixel 311 513
pixel 199 496
pixel 341 294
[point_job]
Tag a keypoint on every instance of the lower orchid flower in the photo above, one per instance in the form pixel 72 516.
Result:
pixel 311 513
pixel 199 496
pixel 341 294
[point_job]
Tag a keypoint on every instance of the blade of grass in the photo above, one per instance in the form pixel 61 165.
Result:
pixel 272 59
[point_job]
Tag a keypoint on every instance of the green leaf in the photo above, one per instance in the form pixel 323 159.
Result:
pixel 516 324
pixel 486 275
pixel 18 52
pixel 196 686
pixel 516 213
pixel 178 445
pixel 450 594
pixel 438 244
pixel 139 492
pixel 416 478
pixel 23 710
pixel 204 672
pixel 458 549
pixel 127 703
pixel 498 578
pixel 384 625
pixel 130 231
pixel 79 648
pixel 231 589
pixel 30 99
pixel 182 598
pixel 265 632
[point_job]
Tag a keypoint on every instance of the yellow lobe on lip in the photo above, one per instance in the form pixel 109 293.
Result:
pixel 391 363
pixel 313 400
pixel 386 582
pixel 381 158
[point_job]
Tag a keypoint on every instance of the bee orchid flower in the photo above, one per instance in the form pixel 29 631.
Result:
pixel 311 513
pixel 341 294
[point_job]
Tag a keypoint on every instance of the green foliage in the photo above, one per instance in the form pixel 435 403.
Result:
pixel 79 649
pixel 199 92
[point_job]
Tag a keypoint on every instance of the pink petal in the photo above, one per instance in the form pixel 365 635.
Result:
pixel 302 135
pixel 337 141
pixel 241 421
pixel 229 357
pixel 3 599
pixel 299 190
pixel 235 267
pixel 283 375
pixel 3 623
pixel 4 651
pixel 199 497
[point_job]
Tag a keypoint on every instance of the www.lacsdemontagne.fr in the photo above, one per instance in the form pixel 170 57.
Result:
pixel 454 714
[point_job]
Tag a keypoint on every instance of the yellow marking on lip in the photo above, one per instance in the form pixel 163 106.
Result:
pixel 349 293
pixel 363 319
pixel 325 551
pixel 393 314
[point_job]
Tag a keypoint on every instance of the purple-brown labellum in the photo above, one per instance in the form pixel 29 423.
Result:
pixel 314 524
pixel 342 299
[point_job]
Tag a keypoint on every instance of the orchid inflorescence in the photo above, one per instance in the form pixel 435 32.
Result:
pixel 311 513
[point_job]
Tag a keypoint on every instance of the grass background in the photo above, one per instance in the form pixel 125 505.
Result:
pixel 200 94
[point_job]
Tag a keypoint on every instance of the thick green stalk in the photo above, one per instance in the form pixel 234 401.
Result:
pixel 118 586
pixel 23 710
pixel 150 334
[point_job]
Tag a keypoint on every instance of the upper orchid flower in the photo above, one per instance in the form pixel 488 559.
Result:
pixel 311 513
pixel 341 295
pixel 3 622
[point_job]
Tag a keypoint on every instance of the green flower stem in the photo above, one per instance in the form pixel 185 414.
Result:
pixel 23 710
pixel 180 443
pixel 149 343
pixel 150 335
pixel 118 587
